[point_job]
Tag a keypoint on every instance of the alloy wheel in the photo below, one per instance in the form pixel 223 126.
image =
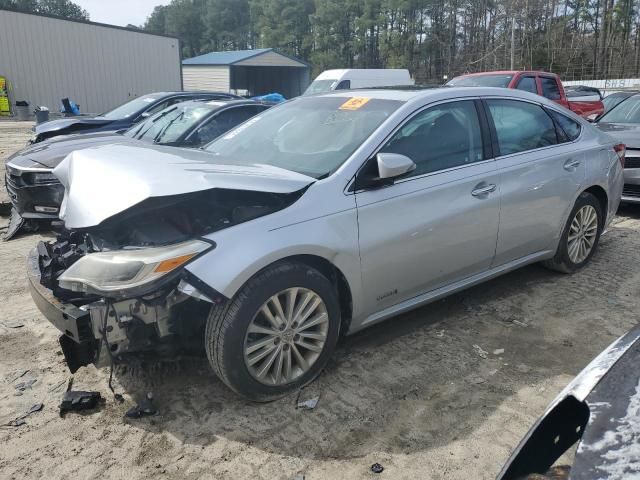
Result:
pixel 582 234
pixel 286 336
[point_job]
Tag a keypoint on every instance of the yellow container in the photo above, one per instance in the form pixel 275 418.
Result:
pixel 4 106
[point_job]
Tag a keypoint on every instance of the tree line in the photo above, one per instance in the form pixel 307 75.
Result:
pixel 578 39
pixel 59 8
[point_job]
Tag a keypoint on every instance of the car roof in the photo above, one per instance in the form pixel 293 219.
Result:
pixel 440 93
pixel 215 104
pixel 505 72
pixel 190 93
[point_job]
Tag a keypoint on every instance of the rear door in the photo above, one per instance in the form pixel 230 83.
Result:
pixel 541 170
pixel 527 83
pixel 550 89
pixel 439 223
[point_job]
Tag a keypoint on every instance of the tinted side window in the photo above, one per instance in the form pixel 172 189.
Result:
pixel 528 84
pixel 550 88
pixel 219 124
pixel 344 85
pixel 570 127
pixel 521 126
pixel 441 137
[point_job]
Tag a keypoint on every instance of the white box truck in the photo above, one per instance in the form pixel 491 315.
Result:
pixel 346 79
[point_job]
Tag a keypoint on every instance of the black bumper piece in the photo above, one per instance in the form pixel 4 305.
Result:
pixel 78 344
pixel 25 198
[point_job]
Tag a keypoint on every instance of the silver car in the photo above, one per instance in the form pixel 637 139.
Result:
pixel 315 219
pixel 623 123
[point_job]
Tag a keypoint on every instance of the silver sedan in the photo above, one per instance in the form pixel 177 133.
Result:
pixel 317 218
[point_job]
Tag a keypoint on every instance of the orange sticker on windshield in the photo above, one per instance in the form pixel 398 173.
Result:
pixel 354 103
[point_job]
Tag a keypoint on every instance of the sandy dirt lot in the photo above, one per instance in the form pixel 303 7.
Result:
pixel 412 394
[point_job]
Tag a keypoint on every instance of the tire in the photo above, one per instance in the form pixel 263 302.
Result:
pixel 228 341
pixel 564 261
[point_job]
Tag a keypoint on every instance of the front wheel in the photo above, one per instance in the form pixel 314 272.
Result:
pixel 580 236
pixel 276 334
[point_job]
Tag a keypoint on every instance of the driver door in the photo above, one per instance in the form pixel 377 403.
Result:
pixel 439 223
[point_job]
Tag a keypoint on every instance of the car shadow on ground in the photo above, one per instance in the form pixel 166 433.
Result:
pixel 428 377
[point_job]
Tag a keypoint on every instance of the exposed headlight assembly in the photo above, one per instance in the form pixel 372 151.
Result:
pixel 122 270
pixel 40 178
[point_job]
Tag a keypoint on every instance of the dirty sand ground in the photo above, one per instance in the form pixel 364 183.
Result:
pixel 412 394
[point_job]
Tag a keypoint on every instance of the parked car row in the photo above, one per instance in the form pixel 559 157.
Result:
pixel 312 219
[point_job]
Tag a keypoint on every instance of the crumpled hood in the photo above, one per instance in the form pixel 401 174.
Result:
pixel 104 181
pixel 69 123
pixel 626 133
pixel 49 153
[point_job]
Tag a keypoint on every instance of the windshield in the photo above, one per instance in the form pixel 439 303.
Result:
pixel 312 135
pixel 627 112
pixel 170 124
pixel 481 81
pixel 611 101
pixel 130 108
pixel 320 86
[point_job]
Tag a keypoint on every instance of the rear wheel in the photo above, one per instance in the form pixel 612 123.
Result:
pixel 580 236
pixel 277 333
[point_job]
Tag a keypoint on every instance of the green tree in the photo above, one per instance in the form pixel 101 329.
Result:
pixel 157 21
pixel 227 25
pixel 284 25
pixel 60 8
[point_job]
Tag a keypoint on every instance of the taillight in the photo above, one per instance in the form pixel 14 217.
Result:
pixel 620 150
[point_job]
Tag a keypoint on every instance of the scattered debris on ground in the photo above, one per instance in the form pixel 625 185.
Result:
pixel 77 400
pixel 12 324
pixel 377 468
pixel 144 409
pixel 25 385
pixel 21 420
pixel 481 353
pixel 308 404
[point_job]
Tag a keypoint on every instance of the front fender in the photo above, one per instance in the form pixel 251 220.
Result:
pixel 244 250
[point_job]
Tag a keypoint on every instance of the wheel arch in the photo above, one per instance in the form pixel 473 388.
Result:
pixel 329 270
pixel 603 199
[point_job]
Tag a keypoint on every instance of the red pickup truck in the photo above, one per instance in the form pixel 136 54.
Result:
pixel 543 83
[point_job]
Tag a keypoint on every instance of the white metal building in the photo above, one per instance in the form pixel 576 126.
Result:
pixel 258 72
pixel 97 66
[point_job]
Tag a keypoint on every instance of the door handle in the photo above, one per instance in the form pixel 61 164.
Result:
pixel 484 190
pixel 571 164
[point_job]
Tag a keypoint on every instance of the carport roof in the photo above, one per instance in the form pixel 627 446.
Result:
pixel 236 56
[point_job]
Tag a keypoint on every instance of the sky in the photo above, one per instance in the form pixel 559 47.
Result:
pixel 119 12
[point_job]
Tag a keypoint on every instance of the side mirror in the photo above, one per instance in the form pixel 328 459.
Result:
pixel 392 165
pixel 592 118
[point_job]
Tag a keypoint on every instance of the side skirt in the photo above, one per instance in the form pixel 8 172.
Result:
pixel 442 292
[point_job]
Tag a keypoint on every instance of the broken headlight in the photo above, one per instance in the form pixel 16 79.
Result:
pixel 118 270
pixel 40 178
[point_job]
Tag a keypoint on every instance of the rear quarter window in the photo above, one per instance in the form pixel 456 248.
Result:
pixel 570 127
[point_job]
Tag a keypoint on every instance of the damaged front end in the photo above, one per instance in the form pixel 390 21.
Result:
pixel 121 287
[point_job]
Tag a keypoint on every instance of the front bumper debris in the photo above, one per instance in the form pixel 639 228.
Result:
pixel 97 330
pixel 78 343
